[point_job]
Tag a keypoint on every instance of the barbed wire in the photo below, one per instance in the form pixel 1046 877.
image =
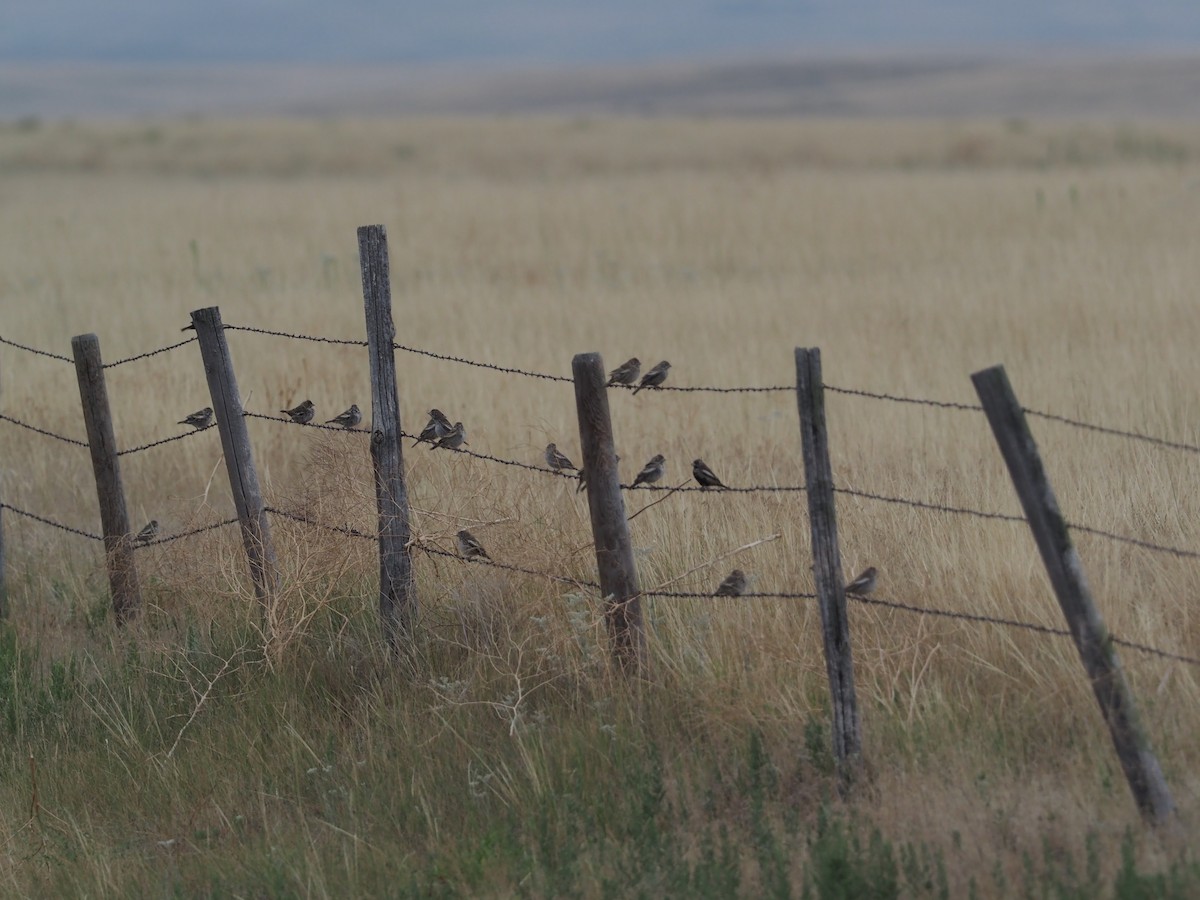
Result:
pixel 479 560
pixel 50 434
pixel 1013 623
pixel 709 595
pixel 897 398
pixel 297 337
pixel 706 389
pixel 185 534
pixel 1135 542
pixel 167 440
pixel 46 353
pixel 129 359
pixel 481 365
pixel 50 522
pixel 340 529
pixel 727 489
pixel 1116 432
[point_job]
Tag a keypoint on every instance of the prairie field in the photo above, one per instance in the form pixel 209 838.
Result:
pixel 198 752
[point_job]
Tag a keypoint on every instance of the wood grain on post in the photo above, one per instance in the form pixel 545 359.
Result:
pixel 235 443
pixel 102 443
pixel 1052 535
pixel 610 528
pixel 827 563
pixel 397 596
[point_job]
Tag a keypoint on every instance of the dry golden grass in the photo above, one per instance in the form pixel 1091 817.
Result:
pixel 911 253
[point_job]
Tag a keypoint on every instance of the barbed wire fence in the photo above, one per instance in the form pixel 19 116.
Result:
pixel 142 542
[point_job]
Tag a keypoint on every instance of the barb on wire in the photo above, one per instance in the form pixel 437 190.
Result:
pixel 1116 432
pixel 46 353
pixel 129 359
pixel 297 337
pixel 50 434
pixel 483 561
pixel 50 522
pixel 896 398
pixel 186 534
pixel 159 443
pixel 481 365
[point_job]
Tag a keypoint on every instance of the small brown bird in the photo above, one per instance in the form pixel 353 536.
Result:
pixel 654 377
pixel 626 373
pixel 734 585
pixel 199 419
pixel 438 426
pixel 705 476
pixel 349 419
pixel 147 534
pixel 864 583
pixel 452 439
pixel 469 547
pixel 652 471
pixel 302 414
pixel 556 460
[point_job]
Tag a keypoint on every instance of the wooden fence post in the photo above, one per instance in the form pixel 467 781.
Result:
pixel 397 596
pixel 239 461
pixel 102 443
pixel 610 528
pixel 1063 565
pixel 827 563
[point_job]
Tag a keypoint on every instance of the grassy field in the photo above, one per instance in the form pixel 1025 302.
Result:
pixel 194 755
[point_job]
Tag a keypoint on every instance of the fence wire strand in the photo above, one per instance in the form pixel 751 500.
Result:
pixel 159 443
pixel 35 350
pixel 1116 432
pixel 148 354
pixel 42 431
pixel 50 522
pixel 170 538
pixel 296 337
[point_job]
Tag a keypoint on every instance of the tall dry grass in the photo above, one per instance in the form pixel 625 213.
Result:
pixel 911 253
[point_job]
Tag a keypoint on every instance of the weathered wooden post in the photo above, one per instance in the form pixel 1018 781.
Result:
pixel 102 443
pixel 397 596
pixel 1063 565
pixel 827 564
pixel 610 529
pixel 239 461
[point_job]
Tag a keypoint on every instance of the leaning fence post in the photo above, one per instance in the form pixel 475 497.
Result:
pixel 1091 637
pixel 235 443
pixel 827 563
pixel 610 528
pixel 102 443
pixel 397 597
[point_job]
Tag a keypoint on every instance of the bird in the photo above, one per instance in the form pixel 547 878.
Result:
pixel 200 419
pixel 302 414
pixel 556 460
pixel 349 419
pixel 734 585
pixel 626 373
pixel 652 471
pixel 864 583
pixel 452 439
pixel 147 534
pixel 469 547
pixel 705 476
pixel 438 426
pixel 654 377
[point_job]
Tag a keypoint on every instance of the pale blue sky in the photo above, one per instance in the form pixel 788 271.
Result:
pixel 558 31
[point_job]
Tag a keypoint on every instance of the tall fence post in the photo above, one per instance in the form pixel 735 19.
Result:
pixel 102 443
pixel 827 563
pixel 1063 565
pixel 610 528
pixel 397 596
pixel 239 461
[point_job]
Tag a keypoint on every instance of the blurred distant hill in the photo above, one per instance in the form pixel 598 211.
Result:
pixel 903 85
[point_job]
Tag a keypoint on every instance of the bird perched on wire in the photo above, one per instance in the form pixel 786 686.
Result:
pixel 654 377
pixel 652 471
pixel 452 439
pixel 556 460
pixel 469 547
pixel 302 414
pixel 349 419
pixel 147 534
pixel 864 583
pixel 437 427
pixel 705 476
pixel 626 373
pixel 734 585
pixel 200 419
